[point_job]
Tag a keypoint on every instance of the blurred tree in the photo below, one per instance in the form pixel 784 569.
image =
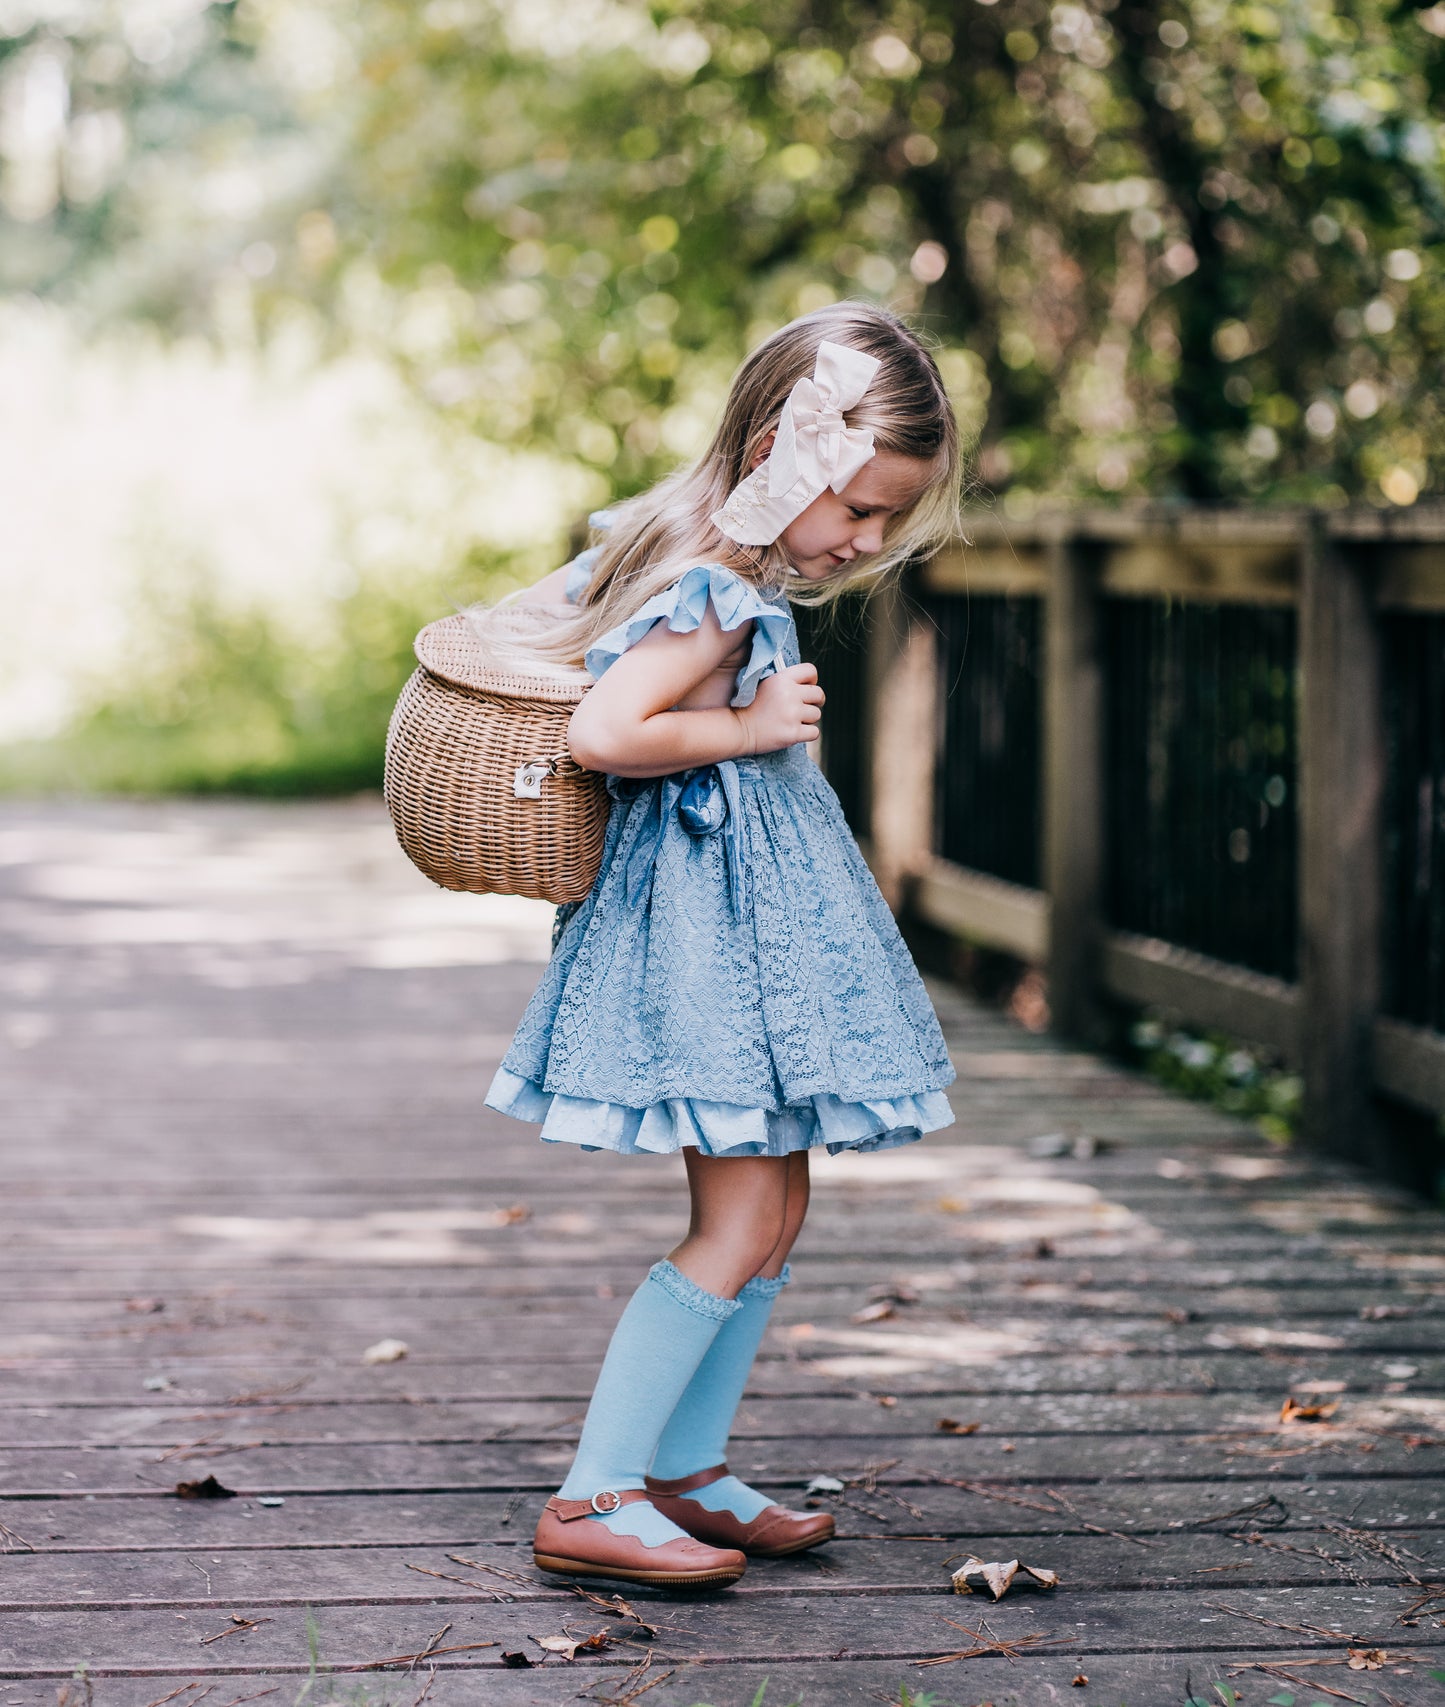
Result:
pixel 1167 248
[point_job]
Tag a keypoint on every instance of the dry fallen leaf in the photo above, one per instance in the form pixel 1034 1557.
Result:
pixel 997 1578
pixel 1293 1411
pixel 516 1662
pixel 1080 1681
pixel 1368 1659
pixel 570 1646
pixel 512 1216
pixel 951 1425
pixel 876 1312
pixel 210 1489
pixel 887 1401
pixel 1383 1312
pixel 385 1351
pixel 824 1485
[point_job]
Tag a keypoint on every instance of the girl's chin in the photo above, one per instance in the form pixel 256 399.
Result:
pixel 818 568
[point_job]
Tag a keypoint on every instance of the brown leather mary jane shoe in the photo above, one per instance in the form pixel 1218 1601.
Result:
pixel 567 1543
pixel 771 1534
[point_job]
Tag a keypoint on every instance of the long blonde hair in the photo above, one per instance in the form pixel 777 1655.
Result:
pixel 656 536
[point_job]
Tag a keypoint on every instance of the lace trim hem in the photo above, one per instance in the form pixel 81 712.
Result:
pixel 720 1128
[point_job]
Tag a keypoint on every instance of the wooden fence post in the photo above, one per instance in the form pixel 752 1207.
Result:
pixel 1073 861
pixel 903 741
pixel 1341 786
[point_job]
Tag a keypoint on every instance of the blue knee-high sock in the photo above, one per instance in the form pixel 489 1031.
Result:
pixel 696 1436
pixel 662 1336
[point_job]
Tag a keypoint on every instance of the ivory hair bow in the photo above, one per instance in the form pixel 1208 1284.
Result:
pixel 814 449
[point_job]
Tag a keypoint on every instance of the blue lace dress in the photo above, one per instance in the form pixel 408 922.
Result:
pixel 734 980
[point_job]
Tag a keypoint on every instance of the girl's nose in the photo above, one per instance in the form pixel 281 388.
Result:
pixel 869 537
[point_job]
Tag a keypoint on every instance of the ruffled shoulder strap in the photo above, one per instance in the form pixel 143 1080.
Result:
pixel 682 607
pixel 579 570
pixel 579 573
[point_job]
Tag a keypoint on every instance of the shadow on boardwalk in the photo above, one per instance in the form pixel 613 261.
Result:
pixel 245 1050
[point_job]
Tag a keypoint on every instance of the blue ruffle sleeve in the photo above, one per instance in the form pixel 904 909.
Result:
pixel 579 573
pixel 683 606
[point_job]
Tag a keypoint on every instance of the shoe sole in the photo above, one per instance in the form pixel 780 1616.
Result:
pixel 674 1579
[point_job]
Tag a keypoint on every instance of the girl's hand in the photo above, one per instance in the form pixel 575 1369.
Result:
pixel 787 708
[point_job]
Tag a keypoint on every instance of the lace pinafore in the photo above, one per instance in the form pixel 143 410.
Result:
pixel 734 980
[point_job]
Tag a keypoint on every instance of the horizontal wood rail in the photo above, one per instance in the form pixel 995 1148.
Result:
pixel 1344 574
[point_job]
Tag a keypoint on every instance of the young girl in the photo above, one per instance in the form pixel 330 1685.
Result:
pixel 733 986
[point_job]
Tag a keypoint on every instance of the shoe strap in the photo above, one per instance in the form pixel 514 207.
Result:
pixel 686 1484
pixel 602 1504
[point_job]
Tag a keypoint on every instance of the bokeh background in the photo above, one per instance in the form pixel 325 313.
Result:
pixel 318 317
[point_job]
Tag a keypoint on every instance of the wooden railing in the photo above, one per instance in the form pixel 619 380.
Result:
pixel 1185 758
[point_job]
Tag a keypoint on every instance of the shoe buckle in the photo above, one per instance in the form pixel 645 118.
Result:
pixel 606 1494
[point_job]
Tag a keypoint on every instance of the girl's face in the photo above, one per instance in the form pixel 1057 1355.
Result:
pixel 839 526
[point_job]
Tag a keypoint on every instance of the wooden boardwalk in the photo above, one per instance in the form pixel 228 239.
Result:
pixel 244 1053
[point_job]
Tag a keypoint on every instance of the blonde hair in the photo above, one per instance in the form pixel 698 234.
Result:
pixel 656 536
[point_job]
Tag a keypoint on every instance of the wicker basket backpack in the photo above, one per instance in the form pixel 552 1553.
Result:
pixel 479 783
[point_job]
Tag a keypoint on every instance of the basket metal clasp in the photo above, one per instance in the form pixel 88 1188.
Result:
pixel 527 779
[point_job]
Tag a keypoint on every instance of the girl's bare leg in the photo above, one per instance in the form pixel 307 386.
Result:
pixel 740 1219
pixel 794 1210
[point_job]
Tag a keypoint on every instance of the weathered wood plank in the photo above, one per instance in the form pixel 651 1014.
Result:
pixel 396 1574
pixel 455 1519
pixel 297 1420
pixel 217 1380
pixel 1030 1681
pixel 730 1626
pixel 500 1465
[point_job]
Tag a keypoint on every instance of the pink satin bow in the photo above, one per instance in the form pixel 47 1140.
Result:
pixel 814 448
pixel 814 444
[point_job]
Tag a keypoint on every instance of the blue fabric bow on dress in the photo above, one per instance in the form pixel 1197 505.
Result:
pixel 699 802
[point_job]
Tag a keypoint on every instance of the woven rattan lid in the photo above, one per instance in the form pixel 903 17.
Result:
pixel 453 650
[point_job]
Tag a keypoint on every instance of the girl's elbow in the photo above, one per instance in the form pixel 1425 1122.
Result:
pixel 589 744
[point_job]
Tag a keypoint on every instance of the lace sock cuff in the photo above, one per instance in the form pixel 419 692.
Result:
pixel 690 1295
pixel 766 1285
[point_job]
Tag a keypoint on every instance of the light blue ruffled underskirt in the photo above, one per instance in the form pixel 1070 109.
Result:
pixel 720 1128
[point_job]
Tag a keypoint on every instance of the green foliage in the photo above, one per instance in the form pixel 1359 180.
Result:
pixel 1186 250
pixel 1189 248
pixel 1212 1067
pixel 217 699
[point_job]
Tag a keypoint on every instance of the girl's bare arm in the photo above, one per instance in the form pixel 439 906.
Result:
pixel 631 723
